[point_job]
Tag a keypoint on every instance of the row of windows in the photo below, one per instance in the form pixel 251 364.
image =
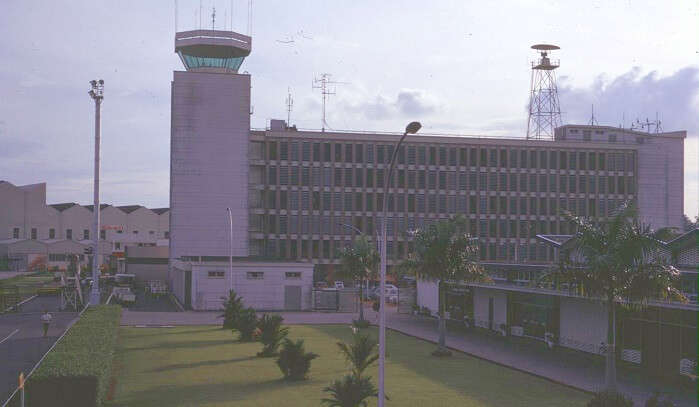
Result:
pixel 331 249
pixel 344 225
pixel 432 203
pixel 448 180
pixel 448 155
pixel 69 233
pixel 255 275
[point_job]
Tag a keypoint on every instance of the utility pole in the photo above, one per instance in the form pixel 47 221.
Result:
pixel 97 94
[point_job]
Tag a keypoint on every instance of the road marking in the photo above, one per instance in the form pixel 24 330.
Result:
pixel 9 336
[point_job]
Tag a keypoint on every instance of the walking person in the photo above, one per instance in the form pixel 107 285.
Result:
pixel 376 306
pixel 45 321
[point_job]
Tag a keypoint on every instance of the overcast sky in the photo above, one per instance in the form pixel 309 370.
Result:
pixel 456 66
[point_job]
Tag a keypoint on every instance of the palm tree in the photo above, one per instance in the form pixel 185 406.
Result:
pixel 351 391
pixel 358 262
pixel 444 252
pixel 361 353
pixel 617 261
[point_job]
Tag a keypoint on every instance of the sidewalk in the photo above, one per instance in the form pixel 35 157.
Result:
pixel 560 365
pixel 133 318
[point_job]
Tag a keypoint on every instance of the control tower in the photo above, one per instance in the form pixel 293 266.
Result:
pixel 210 125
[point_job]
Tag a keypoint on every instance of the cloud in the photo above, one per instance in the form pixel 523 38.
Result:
pixel 632 96
pixel 406 103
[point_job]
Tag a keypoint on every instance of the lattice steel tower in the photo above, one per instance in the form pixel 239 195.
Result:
pixel 544 108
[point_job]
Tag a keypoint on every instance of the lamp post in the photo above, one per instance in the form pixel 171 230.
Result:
pixel 230 246
pixel 411 128
pixel 97 94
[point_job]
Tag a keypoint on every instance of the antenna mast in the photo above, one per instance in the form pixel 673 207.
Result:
pixel 289 107
pixel 593 121
pixel 322 84
pixel 213 18
pixel 544 108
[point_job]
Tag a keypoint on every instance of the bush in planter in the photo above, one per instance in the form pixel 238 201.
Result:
pixel 294 361
pixel 232 306
pixel 610 399
pixel 350 391
pixel 247 324
pixel 271 334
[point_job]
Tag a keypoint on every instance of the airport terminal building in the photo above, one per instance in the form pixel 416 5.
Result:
pixel 298 197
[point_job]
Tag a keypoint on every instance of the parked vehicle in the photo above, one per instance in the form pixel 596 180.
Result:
pixel 391 293
pixel 339 285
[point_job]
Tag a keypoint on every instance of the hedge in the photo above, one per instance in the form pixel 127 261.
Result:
pixel 77 372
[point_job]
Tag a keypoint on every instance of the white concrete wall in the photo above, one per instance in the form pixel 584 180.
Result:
pixel 163 224
pixel 143 221
pixel 265 294
pixel 113 216
pixel 428 295
pixel 661 180
pixel 208 163
pixel 583 324
pixel 77 218
pixel 176 274
pixel 480 306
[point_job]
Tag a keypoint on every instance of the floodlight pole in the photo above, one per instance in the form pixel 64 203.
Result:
pixel 230 245
pixel 97 94
pixel 412 128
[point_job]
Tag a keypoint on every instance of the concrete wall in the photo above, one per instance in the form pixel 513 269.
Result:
pixel 428 295
pixel 208 163
pixel 265 294
pixel 583 324
pixel 481 298
pixel 77 218
pixel 661 180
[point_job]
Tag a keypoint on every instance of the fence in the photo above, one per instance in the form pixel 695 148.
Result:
pixel 342 300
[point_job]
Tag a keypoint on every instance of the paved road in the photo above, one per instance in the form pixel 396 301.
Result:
pixel 21 339
pixel 9 274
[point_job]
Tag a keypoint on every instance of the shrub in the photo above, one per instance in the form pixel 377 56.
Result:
pixel 78 370
pixel 271 334
pixel 361 353
pixel 360 323
pixel 656 400
pixel 232 305
pixel 247 324
pixel 294 361
pixel 610 399
pixel 350 391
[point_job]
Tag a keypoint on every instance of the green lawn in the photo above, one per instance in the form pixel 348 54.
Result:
pixel 204 366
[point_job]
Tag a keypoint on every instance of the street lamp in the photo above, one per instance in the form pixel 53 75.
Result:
pixel 230 246
pixel 411 128
pixel 97 94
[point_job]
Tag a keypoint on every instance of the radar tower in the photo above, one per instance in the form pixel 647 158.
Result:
pixel 544 108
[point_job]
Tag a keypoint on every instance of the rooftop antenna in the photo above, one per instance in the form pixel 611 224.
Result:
pixel 322 84
pixel 249 18
pixel 175 15
pixel 289 106
pixel 593 121
pixel 213 18
pixel 658 124
pixel 200 8
pixel 544 108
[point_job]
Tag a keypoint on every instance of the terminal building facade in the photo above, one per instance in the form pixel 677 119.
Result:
pixel 297 198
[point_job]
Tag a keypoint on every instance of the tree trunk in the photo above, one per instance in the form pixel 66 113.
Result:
pixel 442 322
pixel 361 297
pixel 610 367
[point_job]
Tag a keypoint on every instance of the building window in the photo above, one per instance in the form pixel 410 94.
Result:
pixel 15 233
pixel 135 232
pixel 33 233
pixel 216 274
pixel 292 275
pixel 69 234
pixel 52 233
pixel 103 234
pixel 86 234
pixel 167 234
pixel 255 275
